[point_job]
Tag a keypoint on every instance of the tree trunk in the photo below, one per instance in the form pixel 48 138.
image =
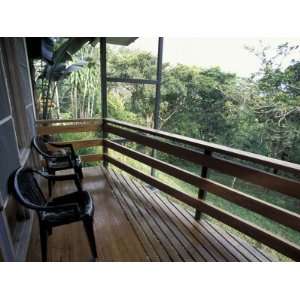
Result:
pixel 57 101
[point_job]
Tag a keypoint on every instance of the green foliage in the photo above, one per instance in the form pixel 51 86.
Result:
pixel 276 104
pixel 58 69
pixel 193 101
pixel 260 114
pixel 117 109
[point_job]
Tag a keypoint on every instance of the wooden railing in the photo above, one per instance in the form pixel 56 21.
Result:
pixel 54 127
pixel 253 168
pixel 239 164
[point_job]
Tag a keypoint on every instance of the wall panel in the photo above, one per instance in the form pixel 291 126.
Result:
pixel 9 156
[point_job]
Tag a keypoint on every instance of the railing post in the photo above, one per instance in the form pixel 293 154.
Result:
pixel 202 193
pixel 103 64
pixel 104 147
pixel 157 90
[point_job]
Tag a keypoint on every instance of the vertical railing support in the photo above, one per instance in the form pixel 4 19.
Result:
pixel 103 75
pixel 157 90
pixel 202 193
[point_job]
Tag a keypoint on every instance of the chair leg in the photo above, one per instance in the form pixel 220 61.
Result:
pixel 89 229
pixel 80 172
pixel 50 183
pixel 44 241
pixel 49 231
pixel 78 182
pixel 53 181
pixel 49 188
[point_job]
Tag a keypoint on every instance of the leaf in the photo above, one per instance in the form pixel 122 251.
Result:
pixel 70 47
pixel 73 68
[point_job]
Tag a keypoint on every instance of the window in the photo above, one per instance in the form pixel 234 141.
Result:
pixel 16 68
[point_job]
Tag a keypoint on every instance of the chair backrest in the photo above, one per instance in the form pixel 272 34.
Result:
pixel 39 143
pixel 26 189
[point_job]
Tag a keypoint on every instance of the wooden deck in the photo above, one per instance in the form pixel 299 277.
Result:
pixel 135 223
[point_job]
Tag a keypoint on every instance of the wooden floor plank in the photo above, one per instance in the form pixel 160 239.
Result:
pixel 118 234
pixel 234 243
pixel 115 238
pixel 219 243
pixel 135 223
pixel 187 229
pixel 213 246
pixel 142 221
pixel 149 249
pixel 144 217
pixel 172 234
pixel 254 251
pixel 225 241
pixel 192 245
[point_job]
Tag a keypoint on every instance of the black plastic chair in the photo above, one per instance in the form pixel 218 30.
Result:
pixel 74 207
pixel 57 160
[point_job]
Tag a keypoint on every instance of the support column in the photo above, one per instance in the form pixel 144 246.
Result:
pixel 202 193
pixel 103 75
pixel 157 91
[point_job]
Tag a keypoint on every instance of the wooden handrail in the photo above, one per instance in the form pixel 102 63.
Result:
pixel 78 144
pixel 162 142
pixel 67 121
pixel 46 127
pixel 268 210
pixel 173 144
pixel 268 180
pixel 53 129
pixel 281 245
pixel 91 157
pixel 257 158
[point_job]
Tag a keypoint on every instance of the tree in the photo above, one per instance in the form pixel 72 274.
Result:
pixel 58 69
pixel 277 106
pixel 193 101
pixel 259 114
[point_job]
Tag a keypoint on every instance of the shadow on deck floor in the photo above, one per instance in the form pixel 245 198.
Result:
pixel 134 223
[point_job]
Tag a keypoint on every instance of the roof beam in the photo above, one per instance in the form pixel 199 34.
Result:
pixel 121 41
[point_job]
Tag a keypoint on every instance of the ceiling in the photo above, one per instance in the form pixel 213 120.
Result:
pixel 122 41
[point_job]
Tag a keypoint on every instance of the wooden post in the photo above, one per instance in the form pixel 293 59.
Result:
pixel 157 90
pixel 103 71
pixel 202 193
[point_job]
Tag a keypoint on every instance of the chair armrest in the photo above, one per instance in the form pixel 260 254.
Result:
pixel 61 178
pixel 58 207
pixel 56 177
pixel 54 208
pixel 61 145
pixel 59 158
pixel 48 156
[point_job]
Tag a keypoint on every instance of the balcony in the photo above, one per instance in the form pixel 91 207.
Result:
pixel 141 218
pixel 135 223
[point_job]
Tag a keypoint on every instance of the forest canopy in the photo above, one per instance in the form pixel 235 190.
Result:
pixel 259 114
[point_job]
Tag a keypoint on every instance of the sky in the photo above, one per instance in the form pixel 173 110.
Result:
pixel 229 54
